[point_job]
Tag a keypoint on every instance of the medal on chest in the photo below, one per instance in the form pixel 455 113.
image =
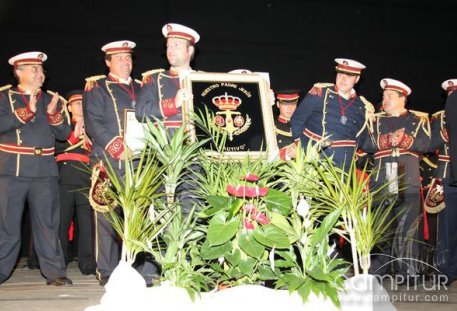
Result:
pixel 343 120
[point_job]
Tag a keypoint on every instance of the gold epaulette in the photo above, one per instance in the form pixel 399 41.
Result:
pixel 147 75
pixel 64 109
pixel 92 81
pixel 322 84
pixel 424 121
pixel 419 113
pixel 150 72
pixel 5 87
pixel 368 106
pixel 317 88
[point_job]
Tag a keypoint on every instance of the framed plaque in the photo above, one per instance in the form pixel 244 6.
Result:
pixel 241 104
pixel 134 131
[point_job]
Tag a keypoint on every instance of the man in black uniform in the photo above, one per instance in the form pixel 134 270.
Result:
pixel 446 249
pixel 72 156
pixel 400 136
pixel 161 95
pixel 333 115
pixel 451 113
pixel 31 120
pixel 287 103
pixel 104 102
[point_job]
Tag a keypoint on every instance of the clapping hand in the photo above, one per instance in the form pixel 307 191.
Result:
pixel 52 106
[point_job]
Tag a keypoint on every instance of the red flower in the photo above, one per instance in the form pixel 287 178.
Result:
pixel 250 208
pixel 248 225
pixel 260 217
pixel 256 215
pixel 246 191
pixel 250 177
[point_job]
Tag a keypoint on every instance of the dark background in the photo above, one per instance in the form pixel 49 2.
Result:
pixel 295 41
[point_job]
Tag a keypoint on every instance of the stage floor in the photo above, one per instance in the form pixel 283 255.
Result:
pixel 27 290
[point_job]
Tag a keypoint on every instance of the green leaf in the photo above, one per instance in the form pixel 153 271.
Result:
pixel 220 231
pixel 287 255
pixel 249 245
pixel 285 263
pixel 234 257
pixel 304 290
pixel 271 236
pixel 217 202
pixel 214 252
pixel 317 274
pixel 325 227
pixel 265 273
pixel 282 223
pixel 247 266
pixel 293 281
pixel 235 207
pixel 278 201
pixel 171 250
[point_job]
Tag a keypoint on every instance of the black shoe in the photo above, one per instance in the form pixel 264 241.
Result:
pixel 60 282
pixel 88 272
pixel 103 280
pixel 87 269
pixel 31 265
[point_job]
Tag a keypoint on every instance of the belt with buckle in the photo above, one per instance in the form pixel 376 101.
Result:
pixel 36 151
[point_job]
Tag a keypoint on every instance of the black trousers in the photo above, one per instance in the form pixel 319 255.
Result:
pixel 400 250
pixel 42 194
pixel 73 202
pixel 446 249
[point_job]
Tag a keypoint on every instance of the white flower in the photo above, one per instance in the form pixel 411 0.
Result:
pixel 271 257
pixel 331 250
pixel 221 260
pixel 151 212
pixel 307 223
pixel 303 208
pixel 304 239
